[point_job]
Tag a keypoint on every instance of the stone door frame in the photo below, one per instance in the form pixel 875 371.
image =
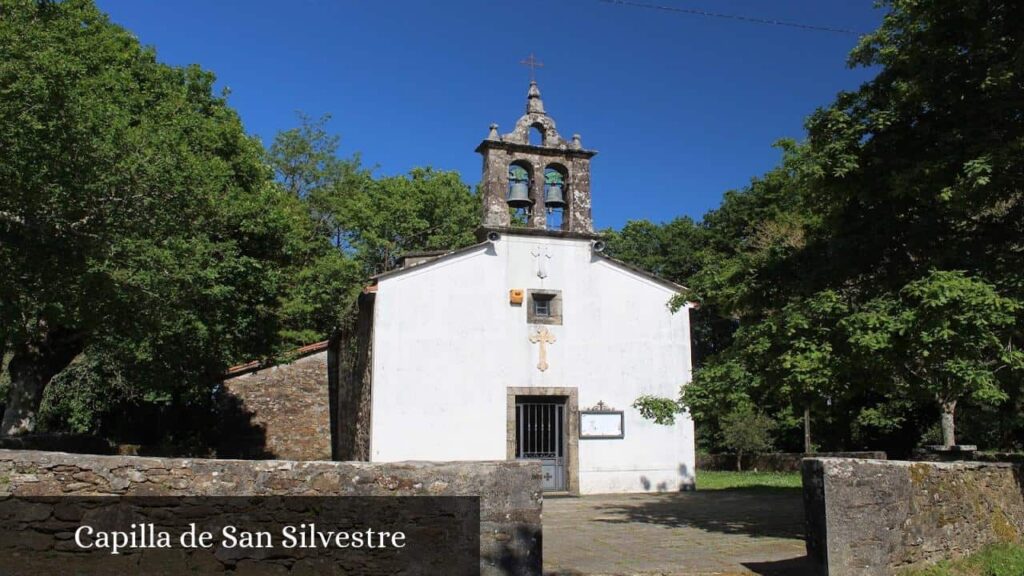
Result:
pixel 572 425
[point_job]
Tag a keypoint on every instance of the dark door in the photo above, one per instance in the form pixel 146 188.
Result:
pixel 540 435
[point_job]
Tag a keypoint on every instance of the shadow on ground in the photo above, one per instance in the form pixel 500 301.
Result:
pixel 756 512
pixel 801 566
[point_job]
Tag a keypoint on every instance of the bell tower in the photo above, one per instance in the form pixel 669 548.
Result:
pixel 536 178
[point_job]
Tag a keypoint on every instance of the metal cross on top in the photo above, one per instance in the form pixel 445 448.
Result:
pixel 533 63
pixel 543 337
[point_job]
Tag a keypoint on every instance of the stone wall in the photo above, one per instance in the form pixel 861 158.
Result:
pixel 774 462
pixel 351 384
pixel 510 495
pixel 868 517
pixel 279 411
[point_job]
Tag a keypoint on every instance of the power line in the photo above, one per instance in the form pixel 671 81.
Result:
pixel 696 12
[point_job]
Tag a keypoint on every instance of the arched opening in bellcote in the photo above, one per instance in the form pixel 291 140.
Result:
pixel 535 136
pixel 518 197
pixel 556 189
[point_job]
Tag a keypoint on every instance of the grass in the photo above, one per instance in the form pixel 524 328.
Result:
pixel 722 480
pixel 997 560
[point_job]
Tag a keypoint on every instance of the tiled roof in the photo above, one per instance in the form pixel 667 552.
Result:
pixel 257 364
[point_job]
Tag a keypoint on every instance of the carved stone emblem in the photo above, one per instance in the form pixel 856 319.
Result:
pixel 543 337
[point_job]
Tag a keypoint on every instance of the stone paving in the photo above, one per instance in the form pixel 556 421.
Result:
pixel 678 534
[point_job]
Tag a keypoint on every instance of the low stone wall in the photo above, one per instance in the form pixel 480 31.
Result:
pixel 509 491
pixel 999 457
pixel 774 461
pixel 871 517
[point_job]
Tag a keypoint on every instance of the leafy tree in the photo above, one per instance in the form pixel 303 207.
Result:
pixel 946 335
pixel 138 225
pixel 371 220
pixel 807 361
pixel 717 389
pixel 426 210
pixel 745 430
pixel 326 279
pixel 305 158
pixel 306 163
pixel 672 250
pixel 919 169
pixel 657 409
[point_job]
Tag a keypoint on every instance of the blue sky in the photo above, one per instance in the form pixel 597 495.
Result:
pixel 680 107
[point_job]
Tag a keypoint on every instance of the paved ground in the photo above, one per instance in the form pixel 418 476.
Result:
pixel 679 534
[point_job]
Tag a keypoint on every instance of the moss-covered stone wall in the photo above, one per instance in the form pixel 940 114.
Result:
pixel 869 517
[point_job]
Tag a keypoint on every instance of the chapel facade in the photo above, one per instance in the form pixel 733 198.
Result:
pixel 530 344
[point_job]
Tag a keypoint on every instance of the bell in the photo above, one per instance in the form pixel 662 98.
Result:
pixel 519 194
pixel 553 197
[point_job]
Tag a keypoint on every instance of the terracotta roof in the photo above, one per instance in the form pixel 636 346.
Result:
pixel 257 364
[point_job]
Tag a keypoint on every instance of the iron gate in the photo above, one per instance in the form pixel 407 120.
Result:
pixel 540 432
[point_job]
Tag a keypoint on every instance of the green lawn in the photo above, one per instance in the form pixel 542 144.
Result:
pixel 998 560
pixel 719 480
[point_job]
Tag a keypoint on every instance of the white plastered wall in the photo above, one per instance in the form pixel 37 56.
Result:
pixel 447 345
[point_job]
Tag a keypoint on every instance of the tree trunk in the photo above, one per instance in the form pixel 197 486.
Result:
pixel 807 429
pixel 739 460
pixel 948 428
pixel 32 366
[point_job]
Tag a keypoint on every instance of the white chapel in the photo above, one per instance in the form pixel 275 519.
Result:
pixel 530 344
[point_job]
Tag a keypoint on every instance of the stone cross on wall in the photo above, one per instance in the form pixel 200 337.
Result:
pixel 542 255
pixel 543 337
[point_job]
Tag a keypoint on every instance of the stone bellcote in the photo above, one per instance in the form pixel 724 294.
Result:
pixel 548 174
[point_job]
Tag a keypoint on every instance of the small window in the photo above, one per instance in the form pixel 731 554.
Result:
pixel 544 307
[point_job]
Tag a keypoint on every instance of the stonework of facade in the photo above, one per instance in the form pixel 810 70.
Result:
pixel 509 492
pixel 499 152
pixel 280 411
pixel 351 385
pixel 876 517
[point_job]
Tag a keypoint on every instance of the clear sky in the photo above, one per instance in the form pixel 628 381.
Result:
pixel 680 107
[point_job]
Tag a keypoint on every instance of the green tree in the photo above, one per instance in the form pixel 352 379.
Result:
pixel 325 279
pixel 948 337
pixel 808 364
pixel 305 158
pixel 672 250
pixel 372 220
pixel 919 169
pixel 746 430
pixel 657 409
pixel 139 229
pixel 426 210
